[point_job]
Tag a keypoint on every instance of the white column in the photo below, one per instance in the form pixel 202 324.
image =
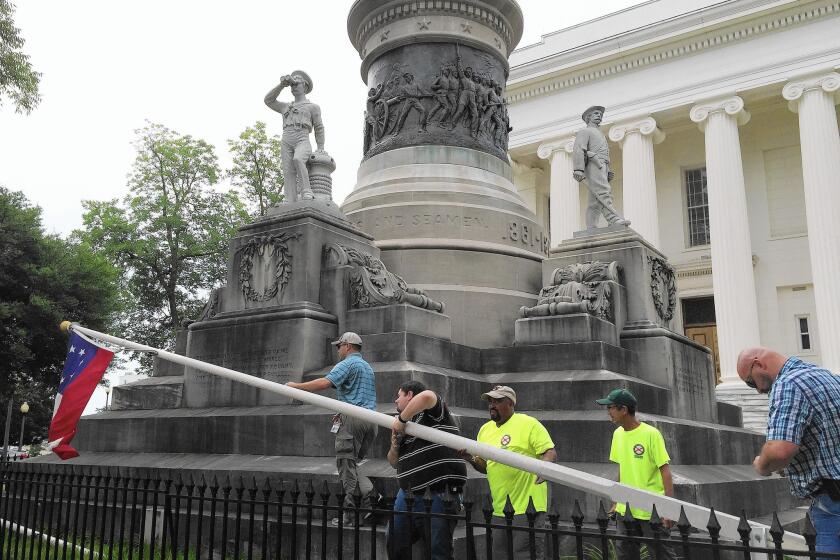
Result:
pixel 564 191
pixel 526 181
pixel 814 98
pixel 736 311
pixel 636 139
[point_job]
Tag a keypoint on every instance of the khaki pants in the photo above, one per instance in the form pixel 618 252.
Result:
pixel 352 442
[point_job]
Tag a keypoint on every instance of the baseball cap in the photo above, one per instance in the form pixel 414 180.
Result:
pixel 621 397
pixel 349 338
pixel 500 392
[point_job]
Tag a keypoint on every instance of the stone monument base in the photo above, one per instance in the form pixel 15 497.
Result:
pixel 578 327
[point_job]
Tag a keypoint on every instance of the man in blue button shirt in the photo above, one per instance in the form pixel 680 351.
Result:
pixel 803 433
pixel 354 383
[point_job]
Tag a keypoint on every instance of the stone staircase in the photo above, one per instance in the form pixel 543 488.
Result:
pixel 148 428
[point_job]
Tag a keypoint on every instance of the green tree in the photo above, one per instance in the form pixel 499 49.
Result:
pixel 18 81
pixel 168 237
pixel 44 279
pixel 256 167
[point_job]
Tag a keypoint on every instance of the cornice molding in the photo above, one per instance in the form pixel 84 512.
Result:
pixel 828 82
pixel 502 20
pixel 732 106
pixel 547 149
pixel 644 126
pixel 686 47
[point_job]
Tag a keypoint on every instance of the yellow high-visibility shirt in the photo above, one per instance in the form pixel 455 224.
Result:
pixel 639 453
pixel 524 435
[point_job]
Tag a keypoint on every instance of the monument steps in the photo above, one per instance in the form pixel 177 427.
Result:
pixel 570 389
pixel 151 392
pixel 728 488
pixel 303 430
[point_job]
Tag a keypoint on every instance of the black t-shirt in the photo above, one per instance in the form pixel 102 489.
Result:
pixel 424 464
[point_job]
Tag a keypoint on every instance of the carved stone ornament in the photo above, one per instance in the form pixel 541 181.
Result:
pixel 577 288
pixel 211 307
pixel 372 285
pixel 271 248
pixel 663 287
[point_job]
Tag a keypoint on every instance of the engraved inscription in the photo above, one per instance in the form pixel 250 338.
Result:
pixel 270 361
pixel 528 236
pixel 417 220
pixel 688 382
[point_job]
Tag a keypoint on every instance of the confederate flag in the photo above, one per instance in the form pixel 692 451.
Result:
pixel 86 362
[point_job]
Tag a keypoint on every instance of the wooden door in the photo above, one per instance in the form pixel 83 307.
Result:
pixel 707 336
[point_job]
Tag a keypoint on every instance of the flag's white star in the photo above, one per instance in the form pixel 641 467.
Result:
pixel 72 349
pixel 82 352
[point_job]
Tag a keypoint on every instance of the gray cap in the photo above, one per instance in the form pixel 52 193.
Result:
pixel 500 392
pixel 349 338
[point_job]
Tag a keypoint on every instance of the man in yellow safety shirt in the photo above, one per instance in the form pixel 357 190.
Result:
pixel 639 450
pixel 521 434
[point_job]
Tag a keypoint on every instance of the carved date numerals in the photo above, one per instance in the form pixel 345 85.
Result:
pixel 528 236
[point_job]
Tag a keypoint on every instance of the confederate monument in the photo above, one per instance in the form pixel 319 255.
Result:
pixel 591 159
pixel 436 262
pixel 300 117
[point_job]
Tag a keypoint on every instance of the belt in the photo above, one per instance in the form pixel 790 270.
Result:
pixel 439 488
pixel 830 487
pixel 296 126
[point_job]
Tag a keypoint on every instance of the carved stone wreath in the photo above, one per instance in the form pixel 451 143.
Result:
pixel 663 287
pixel 266 246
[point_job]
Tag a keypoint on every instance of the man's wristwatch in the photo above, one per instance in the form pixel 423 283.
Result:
pixel 399 417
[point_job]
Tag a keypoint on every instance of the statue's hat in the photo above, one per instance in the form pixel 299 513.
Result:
pixel 593 108
pixel 306 78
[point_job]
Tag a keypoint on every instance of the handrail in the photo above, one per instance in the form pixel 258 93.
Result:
pixel 620 493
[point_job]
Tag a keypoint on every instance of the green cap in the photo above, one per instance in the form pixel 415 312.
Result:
pixel 621 397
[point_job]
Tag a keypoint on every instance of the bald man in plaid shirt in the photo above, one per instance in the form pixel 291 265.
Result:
pixel 803 433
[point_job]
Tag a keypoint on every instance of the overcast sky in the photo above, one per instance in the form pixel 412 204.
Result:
pixel 198 67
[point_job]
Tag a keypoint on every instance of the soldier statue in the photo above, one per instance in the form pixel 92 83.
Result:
pixel 591 159
pixel 300 117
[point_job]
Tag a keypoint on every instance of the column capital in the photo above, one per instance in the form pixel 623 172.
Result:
pixel 829 82
pixel 547 149
pixel 732 106
pixel 645 126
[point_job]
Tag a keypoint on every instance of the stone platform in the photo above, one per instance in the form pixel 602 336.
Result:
pixel 711 461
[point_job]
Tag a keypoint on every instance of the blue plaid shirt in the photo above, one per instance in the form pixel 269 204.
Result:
pixel 353 380
pixel 805 410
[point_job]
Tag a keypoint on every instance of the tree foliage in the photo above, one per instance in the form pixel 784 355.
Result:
pixel 44 279
pixel 256 168
pixel 168 237
pixel 18 80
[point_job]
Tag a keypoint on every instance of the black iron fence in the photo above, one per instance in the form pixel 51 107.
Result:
pixel 50 511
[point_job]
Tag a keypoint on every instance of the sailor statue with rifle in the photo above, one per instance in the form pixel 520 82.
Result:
pixel 591 159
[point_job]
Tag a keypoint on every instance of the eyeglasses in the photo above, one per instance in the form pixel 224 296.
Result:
pixel 749 380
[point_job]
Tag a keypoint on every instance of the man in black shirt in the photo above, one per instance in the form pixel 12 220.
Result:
pixel 423 465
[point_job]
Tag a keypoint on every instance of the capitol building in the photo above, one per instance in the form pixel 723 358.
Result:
pixel 723 130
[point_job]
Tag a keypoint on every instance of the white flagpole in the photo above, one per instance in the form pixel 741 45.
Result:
pixel 668 507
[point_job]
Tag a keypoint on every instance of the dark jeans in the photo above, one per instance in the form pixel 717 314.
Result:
pixel 628 550
pixel 825 515
pixel 401 537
